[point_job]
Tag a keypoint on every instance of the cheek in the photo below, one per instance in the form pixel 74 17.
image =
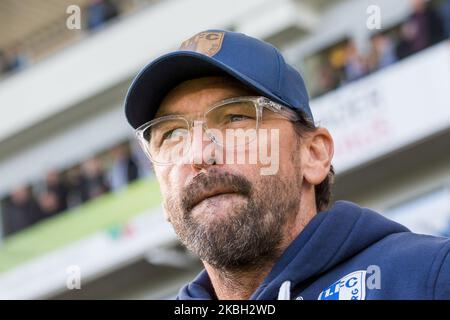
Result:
pixel 290 153
pixel 280 138
pixel 171 179
pixel 163 175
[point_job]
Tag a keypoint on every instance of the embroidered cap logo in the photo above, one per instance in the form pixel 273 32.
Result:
pixel 207 43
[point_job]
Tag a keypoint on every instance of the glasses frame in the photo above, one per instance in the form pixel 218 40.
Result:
pixel 259 103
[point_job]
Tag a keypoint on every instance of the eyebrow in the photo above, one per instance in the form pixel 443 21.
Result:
pixel 176 113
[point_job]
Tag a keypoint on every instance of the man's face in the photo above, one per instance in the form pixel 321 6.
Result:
pixel 229 214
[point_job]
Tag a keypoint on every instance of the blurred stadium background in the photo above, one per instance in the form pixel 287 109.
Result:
pixel 75 189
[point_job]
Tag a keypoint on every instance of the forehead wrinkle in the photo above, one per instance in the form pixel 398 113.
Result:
pixel 204 95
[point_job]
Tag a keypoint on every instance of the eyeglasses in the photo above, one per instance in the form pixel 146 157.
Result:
pixel 168 139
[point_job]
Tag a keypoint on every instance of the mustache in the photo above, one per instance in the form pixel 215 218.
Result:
pixel 213 180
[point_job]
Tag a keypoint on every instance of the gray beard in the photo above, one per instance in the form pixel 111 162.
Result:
pixel 252 234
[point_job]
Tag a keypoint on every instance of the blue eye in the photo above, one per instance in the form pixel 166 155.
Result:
pixel 174 133
pixel 237 117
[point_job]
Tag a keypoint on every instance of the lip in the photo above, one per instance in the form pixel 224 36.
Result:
pixel 211 193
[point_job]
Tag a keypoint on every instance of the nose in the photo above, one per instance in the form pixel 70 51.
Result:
pixel 203 150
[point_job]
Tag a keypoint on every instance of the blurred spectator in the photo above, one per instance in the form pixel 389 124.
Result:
pixel 95 178
pixel 49 204
pixel 426 25
pixel 16 58
pixel 327 79
pixel 382 53
pixel 445 12
pixel 20 211
pixel 100 11
pixel 57 188
pixel 77 190
pixel 12 60
pixel 404 46
pixel 337 60
pixel 123 169
pixel 355 65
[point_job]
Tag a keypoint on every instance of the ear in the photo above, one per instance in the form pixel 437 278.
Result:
pixel 317 154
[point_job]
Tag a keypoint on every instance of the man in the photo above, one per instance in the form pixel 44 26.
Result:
pixel 263 229
pixel 427 27
pixel 55 188
pixel 20 211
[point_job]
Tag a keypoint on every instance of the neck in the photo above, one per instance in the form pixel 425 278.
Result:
pixel 240 284
pixel 237 284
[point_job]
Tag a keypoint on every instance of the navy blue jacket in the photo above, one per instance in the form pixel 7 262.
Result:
pixel 349 252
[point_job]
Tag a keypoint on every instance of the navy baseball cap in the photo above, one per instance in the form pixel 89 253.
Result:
pixel 254 63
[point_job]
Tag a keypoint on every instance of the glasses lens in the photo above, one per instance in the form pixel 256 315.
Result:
pixel 167 141
pixel 233 123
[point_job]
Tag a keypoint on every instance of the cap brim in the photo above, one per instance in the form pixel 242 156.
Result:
pixel 153 83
